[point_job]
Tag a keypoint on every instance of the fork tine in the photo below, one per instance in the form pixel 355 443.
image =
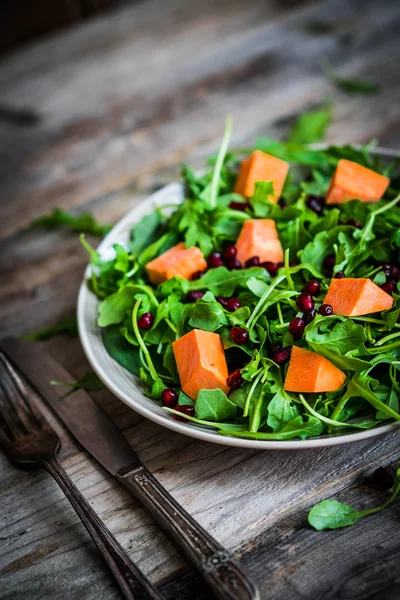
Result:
pixel 15 407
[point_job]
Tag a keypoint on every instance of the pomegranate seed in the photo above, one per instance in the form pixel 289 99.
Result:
pixel 235 380
pixel 233 304
pixel 395 272
pixel 193 296
pixel 340 275
pixel 185 409
pixel 282 355
pixel 388 287
pixel 233 263
pixel 169 397
pixel 238 206
pixel 229 253
pixel 254 261
pixel 354 223
pixel 325 310
pixel 309 315
pixel 296 327
pixel 271 267
pixel 145 321
pixel 239 335
pixel 223 301
pixel 304 302
pixel 312 287
pixel 197 275
pixel 316 203
pixel 215 260
pixel 330 261
pixel 274 348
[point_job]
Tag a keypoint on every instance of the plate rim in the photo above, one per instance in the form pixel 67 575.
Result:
pixel 166 420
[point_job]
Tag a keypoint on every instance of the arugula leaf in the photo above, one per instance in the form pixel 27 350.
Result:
pixel 121 351
pixel 84 223
pixel 68 325
pixel 207 314
pixel 281 410
pixel 222 282
pixel 311 427
pixel 331 514
pixel 113 309
pixel 350 85
pixel 311 126
pixel 213 405
pixel 89 382
pixel 144 233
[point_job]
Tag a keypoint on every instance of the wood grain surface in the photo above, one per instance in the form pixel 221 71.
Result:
pixel 96 119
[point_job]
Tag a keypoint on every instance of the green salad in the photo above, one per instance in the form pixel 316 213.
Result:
pixel 310 342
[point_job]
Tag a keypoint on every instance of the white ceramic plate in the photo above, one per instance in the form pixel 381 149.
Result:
pixel 127 387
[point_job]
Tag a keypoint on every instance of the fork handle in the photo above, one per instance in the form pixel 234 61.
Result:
pixel 133 583
pixel 216 565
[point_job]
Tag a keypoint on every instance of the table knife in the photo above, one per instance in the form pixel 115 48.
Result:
pixel 98 435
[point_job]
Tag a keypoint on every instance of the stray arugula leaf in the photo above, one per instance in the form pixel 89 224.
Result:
pixel 331 514
pixel 68 325
pixel 84 223
pixel 89 382
pixel 348 84
pixel 311 126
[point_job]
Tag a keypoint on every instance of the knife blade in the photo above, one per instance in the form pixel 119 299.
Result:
pixel 97 434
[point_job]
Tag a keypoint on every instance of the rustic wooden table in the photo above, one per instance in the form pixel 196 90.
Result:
pixel 96 119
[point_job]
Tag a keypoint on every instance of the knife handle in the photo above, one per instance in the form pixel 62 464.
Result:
pixel 216 565
pixel 133 583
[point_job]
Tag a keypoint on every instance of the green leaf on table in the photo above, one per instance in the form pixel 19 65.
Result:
pixel 84 223
pixel 311 126
pixel 349 84
pixel 214 405
pixel 67 325
pixel 331 514
pixel 89 382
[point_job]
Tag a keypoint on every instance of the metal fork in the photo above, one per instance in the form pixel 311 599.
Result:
pixel 28 439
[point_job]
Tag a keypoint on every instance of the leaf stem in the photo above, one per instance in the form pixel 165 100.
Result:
pixel 141 343
pixel 220 159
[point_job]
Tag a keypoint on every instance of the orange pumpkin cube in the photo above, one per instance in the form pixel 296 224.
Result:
pixel 261 167
pixel 178 261
pixel 352 297
pixel 259 237
pixel 309 372
pixel 201 362
pixel 351 181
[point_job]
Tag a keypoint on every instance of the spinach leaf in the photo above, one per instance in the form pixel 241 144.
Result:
pixel 207 314
pixel 213 405
pixel 311 126
pixel 144 233
pixel 67 325
pixel 84 223
pixel 121 351
pixel 331 514
pixel 113 309
pixel 281 410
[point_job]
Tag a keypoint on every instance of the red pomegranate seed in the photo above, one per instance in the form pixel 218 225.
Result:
pixel 316 203
pixel 330 261
pixel 312 287
pixel 215 260
pixel 197 275
pixel 281 356
pixel 233 263
pixel 223 301
pixel 340 275
pixel 185 409
pixel 271 267
pixel 388 287
pixel 145 321
pixel 193 295
pixel 169 397
pixel 354 223
pixel 309 315
pixel 394 272
pixel 233 304
pixel 254 261
pixel 235 380
pixel 239 335
pixel 325 310
pixel 238 206
pixel 296 327
pixel 229 253
pixel 304 302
